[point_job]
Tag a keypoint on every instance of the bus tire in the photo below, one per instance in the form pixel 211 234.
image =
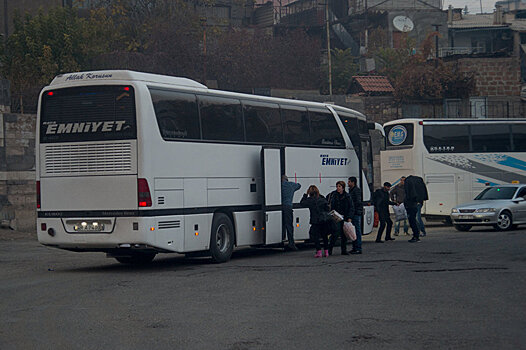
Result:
pixel 221 238
pixel 463 228
pixel 504 221
pixel 136 258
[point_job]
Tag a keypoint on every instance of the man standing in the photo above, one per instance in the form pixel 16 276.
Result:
pixel 287 194
pixel 381 204
pixel 415 195
pixel 398 196
pixel 356 198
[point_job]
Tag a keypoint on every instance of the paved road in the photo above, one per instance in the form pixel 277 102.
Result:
pixel 452 291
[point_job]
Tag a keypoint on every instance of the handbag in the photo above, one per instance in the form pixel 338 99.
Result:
pixel 349 230
pixel 400 213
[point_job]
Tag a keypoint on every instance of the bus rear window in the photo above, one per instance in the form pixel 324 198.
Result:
pixel 92 113
pixel 399 135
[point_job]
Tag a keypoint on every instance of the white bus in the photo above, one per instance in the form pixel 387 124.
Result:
pixel 456 157
pixel 133 164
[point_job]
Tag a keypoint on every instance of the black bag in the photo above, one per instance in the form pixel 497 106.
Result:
pixel 322 207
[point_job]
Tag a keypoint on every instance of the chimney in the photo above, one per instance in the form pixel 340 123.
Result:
pixel 498 15
pixel 450 15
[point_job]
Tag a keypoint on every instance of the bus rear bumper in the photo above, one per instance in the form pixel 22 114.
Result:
pixel 118 233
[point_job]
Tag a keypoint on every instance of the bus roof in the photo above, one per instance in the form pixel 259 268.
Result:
pixel 105 75
pixel 455 121
pixel 69 79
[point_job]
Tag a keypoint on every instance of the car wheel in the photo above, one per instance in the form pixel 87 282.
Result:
pixel 504 221
pixel 136 258
pixel 221 238
pixel 463 228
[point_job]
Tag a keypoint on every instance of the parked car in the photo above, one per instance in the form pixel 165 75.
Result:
pixel 502 206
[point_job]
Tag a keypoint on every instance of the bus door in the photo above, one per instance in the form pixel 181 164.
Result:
pixel 271 167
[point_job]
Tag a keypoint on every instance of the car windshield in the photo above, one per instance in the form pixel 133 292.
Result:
pixel 497 193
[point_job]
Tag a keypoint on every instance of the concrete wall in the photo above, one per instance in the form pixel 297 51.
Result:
pixel 17 171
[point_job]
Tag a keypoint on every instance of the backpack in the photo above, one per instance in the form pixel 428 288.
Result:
pixel 322 208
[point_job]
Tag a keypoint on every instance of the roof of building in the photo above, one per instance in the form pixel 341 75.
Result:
pixel 374 83
pixel 476 21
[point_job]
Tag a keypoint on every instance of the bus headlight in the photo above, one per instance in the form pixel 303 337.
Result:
pixel 454 210
pixel 486 210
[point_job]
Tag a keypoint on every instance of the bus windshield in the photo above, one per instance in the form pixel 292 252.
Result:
pixel 497 193
pixel 94 113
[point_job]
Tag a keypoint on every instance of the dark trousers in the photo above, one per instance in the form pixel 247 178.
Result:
pixel 385 220
pixel 318 231
pixel 287 227
pixel 412 211
pixel 357 222
pixel 337 231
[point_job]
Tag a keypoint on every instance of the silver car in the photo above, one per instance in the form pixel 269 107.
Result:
pixel 502 206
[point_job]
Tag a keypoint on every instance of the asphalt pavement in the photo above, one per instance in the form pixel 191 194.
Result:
pixel 453 290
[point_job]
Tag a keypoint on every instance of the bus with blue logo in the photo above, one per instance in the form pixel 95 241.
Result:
pixel 135 164
pixel 457 158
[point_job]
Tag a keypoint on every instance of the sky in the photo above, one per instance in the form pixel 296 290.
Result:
pixel 473 5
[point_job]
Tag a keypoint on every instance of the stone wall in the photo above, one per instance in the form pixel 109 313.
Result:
pixel 495 76
pixel 17 171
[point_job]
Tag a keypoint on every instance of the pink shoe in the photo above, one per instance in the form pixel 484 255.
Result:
pixel 326 253
pixel 318 254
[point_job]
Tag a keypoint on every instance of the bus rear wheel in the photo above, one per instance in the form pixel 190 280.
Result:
pixel 221 238
pixel 463 228
pixel 136 258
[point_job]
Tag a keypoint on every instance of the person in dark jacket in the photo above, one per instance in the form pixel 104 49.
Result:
pixel 319 209
pixel 356 197
pixel 381 205
pixel 415 195
pixel 287 215
pixel 340 201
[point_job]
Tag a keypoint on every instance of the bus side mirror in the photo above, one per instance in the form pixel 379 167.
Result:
pixel 371 125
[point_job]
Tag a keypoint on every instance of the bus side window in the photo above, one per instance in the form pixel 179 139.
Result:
pixel 519 137
pixel 176 113
pixel 295 125
pixel 490 138
pixel 324 130
pixel 221 118
pixel 262 122
pixel 446 138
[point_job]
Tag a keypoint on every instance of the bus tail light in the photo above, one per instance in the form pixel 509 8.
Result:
pixel 143 191
pixel 38 194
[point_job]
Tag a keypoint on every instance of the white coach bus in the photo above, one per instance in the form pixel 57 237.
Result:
pixel 456 157
pixel 133 164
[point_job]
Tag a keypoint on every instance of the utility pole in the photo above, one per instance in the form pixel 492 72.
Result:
pixel 203 23
pixel 6 23
pixel 481 7
pixel 328 46
pixel 437 26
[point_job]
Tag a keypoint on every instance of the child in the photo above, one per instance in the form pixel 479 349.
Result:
pixel 319 209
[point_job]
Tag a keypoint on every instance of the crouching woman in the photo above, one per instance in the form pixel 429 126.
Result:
pixel 319 208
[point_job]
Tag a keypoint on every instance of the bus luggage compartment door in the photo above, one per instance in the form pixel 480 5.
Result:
pixel 271 168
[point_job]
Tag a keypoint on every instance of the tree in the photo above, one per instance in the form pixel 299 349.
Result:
pixel 343 68
pixel 42 47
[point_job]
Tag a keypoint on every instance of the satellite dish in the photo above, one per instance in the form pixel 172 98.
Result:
pixel 403 23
